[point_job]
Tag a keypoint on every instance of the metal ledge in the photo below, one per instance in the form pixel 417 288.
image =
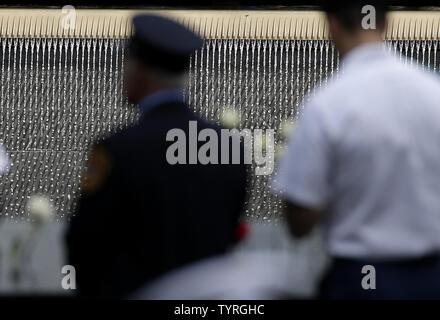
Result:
pixel 210 24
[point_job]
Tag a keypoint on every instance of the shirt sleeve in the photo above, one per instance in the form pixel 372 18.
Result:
pixel 302 177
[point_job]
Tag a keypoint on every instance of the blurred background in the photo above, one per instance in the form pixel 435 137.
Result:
pixel 58 95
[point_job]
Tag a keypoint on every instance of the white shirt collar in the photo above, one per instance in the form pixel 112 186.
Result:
pixel 364 53
pixel 164 96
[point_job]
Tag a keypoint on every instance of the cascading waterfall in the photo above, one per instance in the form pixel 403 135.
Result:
pixel 58 95
pixel 269 83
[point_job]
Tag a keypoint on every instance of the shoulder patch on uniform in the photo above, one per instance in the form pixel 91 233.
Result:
pixel 97 169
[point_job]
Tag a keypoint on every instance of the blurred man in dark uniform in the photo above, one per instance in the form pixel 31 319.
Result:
pixel 140 216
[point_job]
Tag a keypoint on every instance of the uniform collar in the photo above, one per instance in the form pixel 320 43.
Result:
pixel 365 53
pixel 160 97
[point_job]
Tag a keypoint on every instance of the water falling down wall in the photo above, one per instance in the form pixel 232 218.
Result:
pixel 59 93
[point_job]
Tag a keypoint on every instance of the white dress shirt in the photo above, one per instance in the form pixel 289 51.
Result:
pixel 367 151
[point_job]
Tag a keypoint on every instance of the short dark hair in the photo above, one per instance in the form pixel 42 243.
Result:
pixel 349 12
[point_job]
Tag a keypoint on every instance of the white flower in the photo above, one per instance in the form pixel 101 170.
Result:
pixel 230 118
pixel 4 161
pixel 280 150
pixel 287 128
pixel 40 209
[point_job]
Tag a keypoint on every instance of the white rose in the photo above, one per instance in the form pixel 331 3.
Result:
pixel 280 150
pixel 40 209
pixel 230 118
pixel 287 128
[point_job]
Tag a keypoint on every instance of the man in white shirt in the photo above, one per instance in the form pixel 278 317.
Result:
pixel 365 160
